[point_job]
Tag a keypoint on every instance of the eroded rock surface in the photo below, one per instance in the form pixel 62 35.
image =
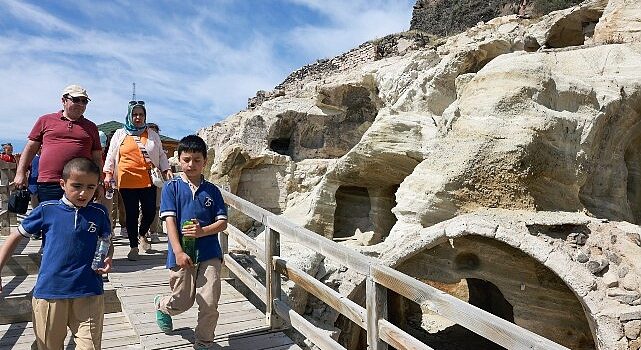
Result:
pixel 400 147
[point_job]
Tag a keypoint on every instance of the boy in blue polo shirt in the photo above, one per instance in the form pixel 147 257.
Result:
pixel 68 293
pixel 192 207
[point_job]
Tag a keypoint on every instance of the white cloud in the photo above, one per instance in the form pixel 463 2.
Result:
pixel 182 59
pixel 350 23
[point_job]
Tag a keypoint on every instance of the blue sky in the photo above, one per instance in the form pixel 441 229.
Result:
pixel 193 62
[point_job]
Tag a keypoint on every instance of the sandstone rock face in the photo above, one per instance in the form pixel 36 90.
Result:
pixel 501 164
pixel 621 23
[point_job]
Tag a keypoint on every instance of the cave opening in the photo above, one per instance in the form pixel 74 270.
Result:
pixel 365 212
pixel 281 146
pixel 353 207
pixel 495 277
pixel 440 333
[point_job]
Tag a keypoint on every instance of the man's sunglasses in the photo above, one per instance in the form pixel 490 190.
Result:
pixel 135 103
pixel 81 100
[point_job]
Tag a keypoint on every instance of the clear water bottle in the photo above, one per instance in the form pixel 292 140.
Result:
pixel 109 194
pixel 102 248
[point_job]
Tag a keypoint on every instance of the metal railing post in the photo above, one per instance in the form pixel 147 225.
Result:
pixel 272 249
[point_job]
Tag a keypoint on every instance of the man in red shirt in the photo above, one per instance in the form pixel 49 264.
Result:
pixel 7 153
pixel 63 135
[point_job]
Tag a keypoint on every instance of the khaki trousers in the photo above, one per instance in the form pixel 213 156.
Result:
pixel 200 283
pixel 83 316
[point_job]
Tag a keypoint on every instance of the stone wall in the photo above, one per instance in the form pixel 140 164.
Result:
pixel 448 17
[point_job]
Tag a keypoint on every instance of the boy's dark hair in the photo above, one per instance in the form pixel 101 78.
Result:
pixel 81 165
pixel 192 144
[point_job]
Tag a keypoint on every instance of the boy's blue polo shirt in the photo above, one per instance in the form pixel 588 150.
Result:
pixel 72 234
pixel 206 205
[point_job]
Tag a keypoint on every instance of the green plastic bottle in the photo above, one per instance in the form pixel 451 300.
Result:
pixel 189 244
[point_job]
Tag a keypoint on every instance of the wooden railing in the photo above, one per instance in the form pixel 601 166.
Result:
pixel 378 279
pixel 7 173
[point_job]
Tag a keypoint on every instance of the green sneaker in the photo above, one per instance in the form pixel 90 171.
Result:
pixel 162 319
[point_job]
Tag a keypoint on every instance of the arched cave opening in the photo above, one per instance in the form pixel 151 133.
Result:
pixel 262 184
pixel 493 276
pixel 352 211
pixel 612 189
pixel 441 333
pixel 281 146
pixel 574 30
pixel 367 210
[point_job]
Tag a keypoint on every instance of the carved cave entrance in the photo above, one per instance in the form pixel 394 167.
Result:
pixel 493 276
pixel 499 279
pixel 365 210
pixel 439 332
pixel 260 185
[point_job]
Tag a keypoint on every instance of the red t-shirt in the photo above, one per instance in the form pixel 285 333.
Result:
pixel 10 158
pixel 62 139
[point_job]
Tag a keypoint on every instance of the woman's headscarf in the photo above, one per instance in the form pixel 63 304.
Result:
pixel 130 127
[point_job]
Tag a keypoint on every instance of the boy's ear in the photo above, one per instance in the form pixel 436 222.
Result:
pixel 62 183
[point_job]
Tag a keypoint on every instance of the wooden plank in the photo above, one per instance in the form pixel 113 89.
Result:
pixel 245 241
pixel 481 322
pixel 398 338
pixel 338 253
pixel 246 278
pixel 311 332
pixel 253 211
pixel 259 341
pixel 376 302
pixel 272 249
pixel 223 238
pixel 337 301
pixel 117 334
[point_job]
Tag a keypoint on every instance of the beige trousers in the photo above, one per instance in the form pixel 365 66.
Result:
pixel 83 316
pixel 200 283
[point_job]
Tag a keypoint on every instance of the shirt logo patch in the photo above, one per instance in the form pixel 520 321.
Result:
pixel 92 227
pixel 208 202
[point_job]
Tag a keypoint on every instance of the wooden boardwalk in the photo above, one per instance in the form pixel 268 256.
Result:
pixel 241 325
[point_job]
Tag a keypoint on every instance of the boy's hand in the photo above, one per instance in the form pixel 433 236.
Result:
pixel 106 268
pixel 193 230
pixel 183 260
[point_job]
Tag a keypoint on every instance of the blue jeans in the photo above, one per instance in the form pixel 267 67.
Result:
pixel 49 191
pixel 131 198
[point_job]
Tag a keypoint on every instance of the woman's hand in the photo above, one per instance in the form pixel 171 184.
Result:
pixel 168 175
pixel 108 179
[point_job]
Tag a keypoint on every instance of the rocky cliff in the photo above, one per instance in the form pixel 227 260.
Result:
pixel 507 156
pixel 448 17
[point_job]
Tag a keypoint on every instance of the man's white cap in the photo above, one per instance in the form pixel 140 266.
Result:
pixel 75 91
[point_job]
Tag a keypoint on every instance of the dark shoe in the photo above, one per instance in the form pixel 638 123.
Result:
pixel 133 254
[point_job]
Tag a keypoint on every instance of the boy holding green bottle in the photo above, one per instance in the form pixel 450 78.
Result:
pixel 194 212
